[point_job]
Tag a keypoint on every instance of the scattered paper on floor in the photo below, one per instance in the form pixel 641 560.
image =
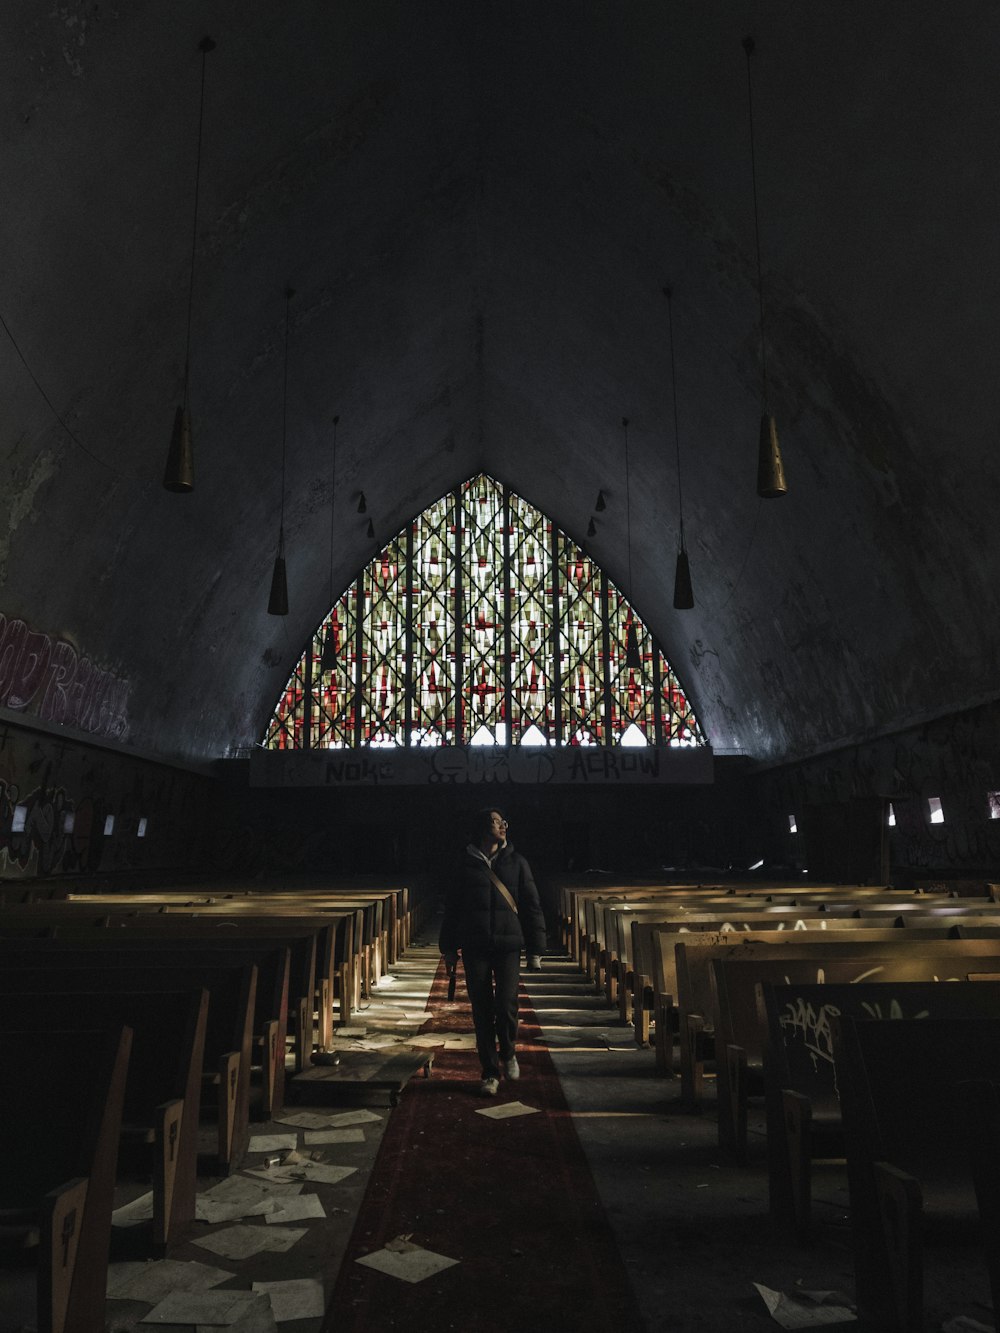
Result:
pixel 297 1209
pixel 507 1110
pixel 316 1136
pixel 406 1261
pixel 201 1307
pixel 272 1142
pixel 153 1279
pixel 805 1309
pixel 464 1041
pixel 344 1118
pixel 132 1214
pixel 324 1173
pixel 305 1120
pixel 242 1242
pixel 259 1318
pixel 964 1323
pixel 426 1040
pixel 238 1189
pixel 294 1298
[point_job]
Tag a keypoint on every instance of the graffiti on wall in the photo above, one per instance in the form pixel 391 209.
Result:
pixel 48 678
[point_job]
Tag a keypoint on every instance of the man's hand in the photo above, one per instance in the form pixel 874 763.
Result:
pixel 534 963
pixel 451 960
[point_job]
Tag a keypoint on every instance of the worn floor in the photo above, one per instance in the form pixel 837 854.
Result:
pixel 693 1232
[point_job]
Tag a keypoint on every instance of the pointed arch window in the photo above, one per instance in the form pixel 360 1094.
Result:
pixel 481 623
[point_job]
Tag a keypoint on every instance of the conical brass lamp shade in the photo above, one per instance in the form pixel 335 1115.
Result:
pixel 632 658
pixel 770 470
pixel 328 658
pixel 277 603
pixel 683 592
pixel 179 474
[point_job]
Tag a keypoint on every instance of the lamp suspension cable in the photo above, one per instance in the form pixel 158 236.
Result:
pixel 770 469
pixel 749 46
pixel 632 658
pixel 683 591
pixel 179 474
pixel 278 601
pixel 328 656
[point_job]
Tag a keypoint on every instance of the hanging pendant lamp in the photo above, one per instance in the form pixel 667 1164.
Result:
pixel 632 656
pixel 770 469
pixel 371 528
pixel 362 504
pixel 601 504
pixel 178 475
pixel 277 603
pixel 591 528
pixel 328 658
pixel 683 591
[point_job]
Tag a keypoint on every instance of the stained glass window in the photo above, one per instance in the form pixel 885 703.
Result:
pixel 482 624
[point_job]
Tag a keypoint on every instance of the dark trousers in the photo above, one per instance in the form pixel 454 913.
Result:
pixel 491 980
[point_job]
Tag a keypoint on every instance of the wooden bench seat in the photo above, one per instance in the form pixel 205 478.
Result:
pixel 695 996
pixel 910 1155
pixel 228 1030
pixel 803 1108
pixel 163 1089
pixel 57 1185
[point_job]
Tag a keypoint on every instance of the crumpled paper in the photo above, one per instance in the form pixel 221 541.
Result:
pixel 806 1309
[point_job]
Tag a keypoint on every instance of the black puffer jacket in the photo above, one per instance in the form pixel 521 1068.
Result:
pixel 476 918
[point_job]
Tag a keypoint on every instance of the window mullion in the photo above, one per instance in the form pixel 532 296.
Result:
pixel 556 625
pixel 359 630
pixel 507 693
pixel 459 620
pixel 606 673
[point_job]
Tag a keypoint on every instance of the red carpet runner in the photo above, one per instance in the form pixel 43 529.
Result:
pixel 512 1200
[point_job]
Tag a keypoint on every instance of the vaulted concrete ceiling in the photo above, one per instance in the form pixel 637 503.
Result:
pixel 478 205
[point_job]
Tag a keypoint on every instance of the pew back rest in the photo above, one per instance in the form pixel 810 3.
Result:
pixel 693 958
pixel 799 1019
pixel 900 1090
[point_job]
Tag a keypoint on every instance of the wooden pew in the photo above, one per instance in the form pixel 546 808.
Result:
pixel 740 1038
pixel 228 1031
pixel 803 1109
pixel 695 997
pixel 117 949
pixel 57 1185
pixel 163 1089
pixel 908 1148
pixel 337 964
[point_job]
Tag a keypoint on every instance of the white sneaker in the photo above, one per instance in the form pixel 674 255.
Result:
pixel 513 1068
pixel 489 1087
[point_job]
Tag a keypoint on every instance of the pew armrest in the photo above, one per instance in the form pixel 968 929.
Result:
pixel 269 1065
pixel 663 1034
pixel 229 1079
pixel 60 1229
pixel 796 1121
pixel 167 1140
pixel 900 1205
pixel 733 1105
pixel 692 1027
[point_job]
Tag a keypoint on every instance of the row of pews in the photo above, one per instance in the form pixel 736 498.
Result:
pixel 142 1033
pixel 827 1003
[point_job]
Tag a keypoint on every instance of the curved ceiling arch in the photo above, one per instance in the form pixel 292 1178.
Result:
pixel 479 207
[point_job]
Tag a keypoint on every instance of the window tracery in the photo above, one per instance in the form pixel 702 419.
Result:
pixel 481 623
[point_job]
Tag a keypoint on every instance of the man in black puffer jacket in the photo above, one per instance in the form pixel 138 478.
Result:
pixel 491 923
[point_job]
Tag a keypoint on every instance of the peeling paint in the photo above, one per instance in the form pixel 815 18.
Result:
pixel 23 505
